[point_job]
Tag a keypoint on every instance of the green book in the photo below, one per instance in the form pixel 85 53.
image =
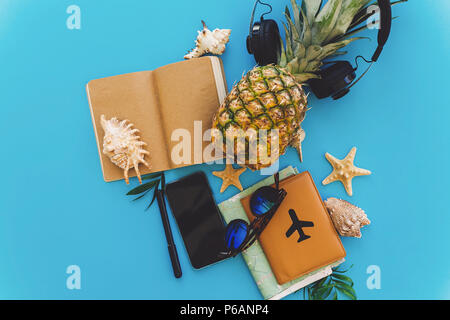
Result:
pixel 254 256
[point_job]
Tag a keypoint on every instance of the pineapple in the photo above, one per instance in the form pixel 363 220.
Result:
pixel 271 97
pixel 266 98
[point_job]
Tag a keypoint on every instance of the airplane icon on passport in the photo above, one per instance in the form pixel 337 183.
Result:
pixel 297 225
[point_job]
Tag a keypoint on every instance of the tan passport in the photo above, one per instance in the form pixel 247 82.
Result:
pixel 158 102
pixel 300 238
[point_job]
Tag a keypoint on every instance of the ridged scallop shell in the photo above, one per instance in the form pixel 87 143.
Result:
pixel 123 146
pixel 347 218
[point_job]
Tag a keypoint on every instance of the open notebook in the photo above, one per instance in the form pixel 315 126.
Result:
pixel 158 102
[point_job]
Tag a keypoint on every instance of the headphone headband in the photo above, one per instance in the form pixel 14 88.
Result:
pixel 262 16
pixel 385 27
pixel 263 40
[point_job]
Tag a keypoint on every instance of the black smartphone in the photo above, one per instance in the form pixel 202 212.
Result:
pixel 198 219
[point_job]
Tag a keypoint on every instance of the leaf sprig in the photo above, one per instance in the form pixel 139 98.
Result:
pixel 329 287
pixel 156 179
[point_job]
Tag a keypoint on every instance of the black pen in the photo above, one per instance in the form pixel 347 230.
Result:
pixel 170 243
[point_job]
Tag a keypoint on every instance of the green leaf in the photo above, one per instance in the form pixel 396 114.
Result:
pixel 302 65
pixel 349 9
pixel 283 60
pixel 286 12
pixel 306 35
pixel 325 21
pixel 342 285
pixel 323 292
pixel 163 182
pixel 295 36
pixel 328 287
pixel 142 188
pixel 351 33
pixel 343 278
pixel 321 282
pixel 303 77
pixel 296 13
pixel 360 17
pixel 348 292
pixel 393 3
pixel 151 176
pixel 142 195
pixel 293 66
pixel 337 53
pixel 331 48
pixel 310 296
pixel 289 54
pixel 312 52
pixel 154 196
pixel 311 8
pixel 300 50
pixel 339 270
pixel 313 66
pixel 318 284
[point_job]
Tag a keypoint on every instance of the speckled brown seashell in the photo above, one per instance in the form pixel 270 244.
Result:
pixel 347 218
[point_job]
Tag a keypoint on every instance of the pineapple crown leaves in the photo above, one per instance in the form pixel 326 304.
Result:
pixel 315 32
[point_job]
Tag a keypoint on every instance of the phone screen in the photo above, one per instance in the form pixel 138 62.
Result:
pixel 198 219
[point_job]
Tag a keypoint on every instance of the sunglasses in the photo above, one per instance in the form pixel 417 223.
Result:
pixel 264 202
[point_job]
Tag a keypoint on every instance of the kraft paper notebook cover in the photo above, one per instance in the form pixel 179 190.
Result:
pixel 254 256
pixel 158 102
pixel 297 249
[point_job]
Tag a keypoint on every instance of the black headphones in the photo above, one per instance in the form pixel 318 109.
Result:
pixel 336 77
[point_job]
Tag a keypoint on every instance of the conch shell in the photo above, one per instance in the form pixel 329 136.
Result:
pixel 123 146
pixel 347 218
pixel 209 42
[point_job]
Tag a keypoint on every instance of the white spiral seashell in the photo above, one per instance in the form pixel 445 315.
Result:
pixel 209 42
pixel 123 146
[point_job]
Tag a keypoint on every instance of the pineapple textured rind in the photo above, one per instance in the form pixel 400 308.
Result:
pixel 265 98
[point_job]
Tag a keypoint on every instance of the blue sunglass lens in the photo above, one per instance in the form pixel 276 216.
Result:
pixel 236 234
pixel 263 200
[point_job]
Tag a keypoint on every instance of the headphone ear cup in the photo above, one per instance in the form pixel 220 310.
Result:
pixel 255 41
pixel 340 93
pixel 271 41
pixel 264 42
pixel 249 44
pixel 334 80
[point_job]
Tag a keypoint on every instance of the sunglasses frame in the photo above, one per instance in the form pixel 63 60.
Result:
pixel 257 226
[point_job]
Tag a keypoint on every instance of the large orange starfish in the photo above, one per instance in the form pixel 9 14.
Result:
pixel 344 170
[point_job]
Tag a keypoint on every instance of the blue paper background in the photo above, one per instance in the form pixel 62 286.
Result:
pixel 56 210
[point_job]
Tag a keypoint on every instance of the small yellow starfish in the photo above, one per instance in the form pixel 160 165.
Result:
pixel 344 170
pixel 230 176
